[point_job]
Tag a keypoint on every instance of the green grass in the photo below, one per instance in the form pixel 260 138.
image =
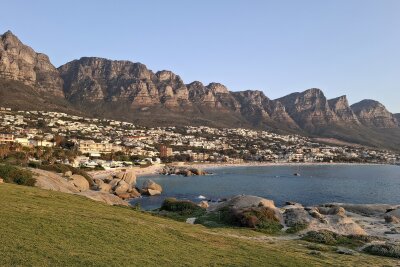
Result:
pixel 46 228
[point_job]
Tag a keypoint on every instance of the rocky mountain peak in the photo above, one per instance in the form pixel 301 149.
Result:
pixel 374 114
pixel 340 106
pixel 218 88
pixel 21 63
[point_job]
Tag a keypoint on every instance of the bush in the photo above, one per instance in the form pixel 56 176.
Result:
pixel 330 238
pixel 387 250
pixel 297 228
pixel 12 174
pixel 183 207
pixel 322 237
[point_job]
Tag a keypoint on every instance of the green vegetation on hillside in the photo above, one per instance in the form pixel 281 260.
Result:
pixel 12 174
pixel 47 228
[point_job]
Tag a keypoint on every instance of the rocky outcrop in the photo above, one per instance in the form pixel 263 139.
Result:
pixel 371 113
pixel 104 197
pixel 151 188
pixel 21 63
pixel 79 182
pixel 309 109
pixel 185 171
pixel 122 184
pixel 341 107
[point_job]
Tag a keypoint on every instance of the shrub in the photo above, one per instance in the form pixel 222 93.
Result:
pixel 183 207
pixel 323 237
pixel 12 174
pixel 330 238
pixel 297 228
pixel 387 250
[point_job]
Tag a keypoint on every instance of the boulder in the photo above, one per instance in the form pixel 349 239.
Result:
pixel 130 177
pixel 104 188
pixel 114 183
pixel 197 171
pixel 124 196
pixel 204 204
pixel 332 210
pixel 120 175
pixel 1 181
pixel 394 213
pixel 245 201
pixel 315 214
pixel 150 184
pixel 121 188
pixel 244 207
pixel 68 174
pixel 134 193
pixel 79 182
pixel 391 219
pixel 296 216
pixel 366 209
pixel 152 192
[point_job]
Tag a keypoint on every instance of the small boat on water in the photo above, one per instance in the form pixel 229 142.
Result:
pixel 201 197
pixel 296 174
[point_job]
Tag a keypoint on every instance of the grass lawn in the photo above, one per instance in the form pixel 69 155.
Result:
pixel 45 228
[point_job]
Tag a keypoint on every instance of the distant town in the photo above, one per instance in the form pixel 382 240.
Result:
pixel 106 144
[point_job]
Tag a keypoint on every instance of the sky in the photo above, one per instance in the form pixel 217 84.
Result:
pixel 344 47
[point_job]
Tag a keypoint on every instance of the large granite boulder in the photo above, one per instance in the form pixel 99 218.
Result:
pixel 104 187
pixel 394 213
pixel 79 182
pixel 251 211
pixel 296 216
pixel 121 188
pixel 151 188
pixel 245 201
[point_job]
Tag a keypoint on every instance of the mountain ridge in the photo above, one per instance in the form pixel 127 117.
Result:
pixel 122 89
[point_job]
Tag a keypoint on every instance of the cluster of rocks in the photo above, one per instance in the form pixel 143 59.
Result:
pixel 335 217
pixel 123 184
pixel 185 171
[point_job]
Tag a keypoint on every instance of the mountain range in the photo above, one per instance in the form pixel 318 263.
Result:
pixel 129 91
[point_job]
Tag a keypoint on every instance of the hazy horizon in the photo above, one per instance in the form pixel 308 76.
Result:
pixel 342 47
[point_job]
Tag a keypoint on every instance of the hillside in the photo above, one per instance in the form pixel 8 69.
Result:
pixel 46 228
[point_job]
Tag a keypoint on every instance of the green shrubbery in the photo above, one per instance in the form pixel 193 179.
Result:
pixel 12 174
pixel 183 207
pixel 387 250
pixel 333 239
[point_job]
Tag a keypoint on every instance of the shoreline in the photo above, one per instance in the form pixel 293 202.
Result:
pixel 274 164
pixel 154 169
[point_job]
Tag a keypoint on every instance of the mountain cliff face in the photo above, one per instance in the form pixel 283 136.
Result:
pixel 129 91
pixel 309 109
pixel 373 114
pixel 340 106
pixel 21 63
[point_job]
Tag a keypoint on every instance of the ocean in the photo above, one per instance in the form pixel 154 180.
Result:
pixel 317 184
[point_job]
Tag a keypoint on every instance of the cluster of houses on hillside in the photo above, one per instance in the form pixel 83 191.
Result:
pixel 94 137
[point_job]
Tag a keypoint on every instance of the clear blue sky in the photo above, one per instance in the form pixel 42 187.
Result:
pixel 343 47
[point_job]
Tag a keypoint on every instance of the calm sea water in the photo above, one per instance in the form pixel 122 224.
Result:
pixel 317 184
